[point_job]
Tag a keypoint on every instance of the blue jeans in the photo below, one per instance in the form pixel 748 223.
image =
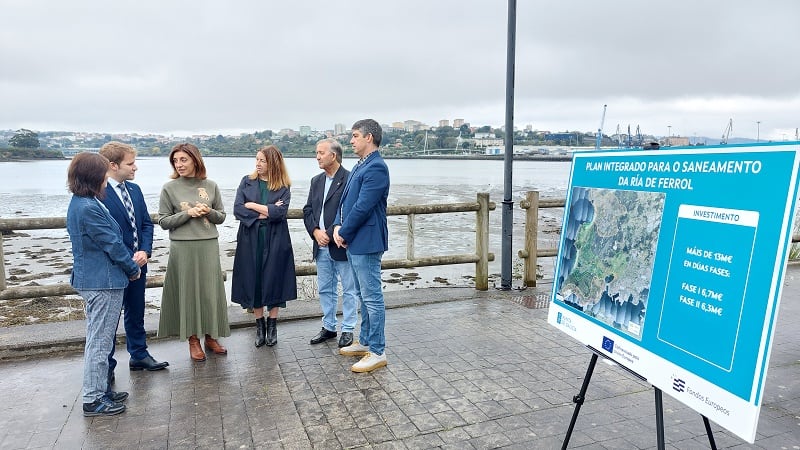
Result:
pixel 328 273
pixel 102 316
pixel 135 334
pixel 367 271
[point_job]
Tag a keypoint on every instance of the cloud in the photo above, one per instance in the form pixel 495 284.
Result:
pixel 248 65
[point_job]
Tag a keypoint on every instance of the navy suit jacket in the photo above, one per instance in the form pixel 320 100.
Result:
pixel 362 211
pixel 144 225
pixel 313 209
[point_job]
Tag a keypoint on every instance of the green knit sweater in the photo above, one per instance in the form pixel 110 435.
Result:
pixel 181 194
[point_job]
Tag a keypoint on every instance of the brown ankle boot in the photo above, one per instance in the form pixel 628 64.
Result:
pixel 195 351
pixel 213 345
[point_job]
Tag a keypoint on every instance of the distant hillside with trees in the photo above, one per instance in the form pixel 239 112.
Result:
pixel 28 144
pixel 24 144
pixel 19 154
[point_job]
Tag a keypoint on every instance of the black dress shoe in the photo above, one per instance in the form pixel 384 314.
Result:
pixel 323 336
pixel 346 339
pixel 147 363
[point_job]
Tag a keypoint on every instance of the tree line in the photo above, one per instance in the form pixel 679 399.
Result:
pixel 26 143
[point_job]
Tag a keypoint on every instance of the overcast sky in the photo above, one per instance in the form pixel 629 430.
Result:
pixel 184 67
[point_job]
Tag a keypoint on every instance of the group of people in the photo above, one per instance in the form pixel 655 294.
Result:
pixel 112 239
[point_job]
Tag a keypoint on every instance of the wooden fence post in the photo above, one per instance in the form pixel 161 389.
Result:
pixel 410 237
pixel 2 265
pixel 482 242
pixel 529 253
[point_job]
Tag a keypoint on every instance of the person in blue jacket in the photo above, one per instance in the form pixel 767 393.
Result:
pixel 125 202
pixel 101 269
pixel 361 227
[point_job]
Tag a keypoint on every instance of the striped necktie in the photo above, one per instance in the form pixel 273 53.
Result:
pixel 126 200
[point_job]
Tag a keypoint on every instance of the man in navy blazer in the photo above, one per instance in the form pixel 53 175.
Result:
pixel 319 214
pixel 361 227
pixel 139 241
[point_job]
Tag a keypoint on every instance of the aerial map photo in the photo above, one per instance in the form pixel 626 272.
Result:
pixel 609 246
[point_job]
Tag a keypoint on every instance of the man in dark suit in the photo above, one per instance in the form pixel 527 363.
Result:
pixel 126 204
pixel 319 213
pixel 361 227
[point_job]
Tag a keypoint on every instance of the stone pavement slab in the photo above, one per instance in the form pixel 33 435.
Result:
pixel 483 370
pixel 44 338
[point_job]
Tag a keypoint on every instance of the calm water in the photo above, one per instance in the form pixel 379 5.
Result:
pixel 38 189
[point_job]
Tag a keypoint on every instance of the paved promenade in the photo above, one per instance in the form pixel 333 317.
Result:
pixel 466 370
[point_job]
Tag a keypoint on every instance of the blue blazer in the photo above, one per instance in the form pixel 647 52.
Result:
pixel 100 259
pixel 362 211
pixel 144 224
pixel 313 209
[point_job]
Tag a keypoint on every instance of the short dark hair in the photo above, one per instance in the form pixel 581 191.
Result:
pixel 197 158
pixel 334 146
pixel 369 126
pixel 86 174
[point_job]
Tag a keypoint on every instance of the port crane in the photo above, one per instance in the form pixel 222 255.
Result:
pixel 726 134
pixel 600 130
pixel 628 137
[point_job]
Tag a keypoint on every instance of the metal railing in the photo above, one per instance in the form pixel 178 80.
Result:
pixel 480 257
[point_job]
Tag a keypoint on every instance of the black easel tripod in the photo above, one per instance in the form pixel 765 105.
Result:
pixel 578 400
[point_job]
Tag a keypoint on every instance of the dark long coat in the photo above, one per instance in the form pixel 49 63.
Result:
pixel 277 273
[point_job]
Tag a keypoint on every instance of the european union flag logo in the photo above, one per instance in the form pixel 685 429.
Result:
pixel 608 344
pixel 558 318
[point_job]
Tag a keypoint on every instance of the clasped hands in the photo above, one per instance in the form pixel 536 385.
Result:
pixel 321 237
pixel 339 240
pixel 199 210
pixel 140 258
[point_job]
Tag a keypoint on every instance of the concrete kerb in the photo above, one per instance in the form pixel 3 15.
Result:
pixel 69 336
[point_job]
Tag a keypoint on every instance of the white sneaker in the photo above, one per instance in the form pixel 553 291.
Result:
pixel 354 350
pixel 369 363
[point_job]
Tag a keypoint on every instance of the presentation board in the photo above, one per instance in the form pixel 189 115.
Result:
pixel 671 263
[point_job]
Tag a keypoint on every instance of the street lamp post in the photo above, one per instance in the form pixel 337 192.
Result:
pixel 758 130
pixel 669 135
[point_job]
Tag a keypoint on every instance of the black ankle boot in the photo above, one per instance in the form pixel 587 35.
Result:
pixel 272 331
pixel 261 332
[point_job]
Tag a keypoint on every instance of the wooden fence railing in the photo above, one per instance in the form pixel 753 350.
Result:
pixel 480 256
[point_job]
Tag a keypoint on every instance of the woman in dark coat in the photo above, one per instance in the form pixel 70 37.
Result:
pixel 263 267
